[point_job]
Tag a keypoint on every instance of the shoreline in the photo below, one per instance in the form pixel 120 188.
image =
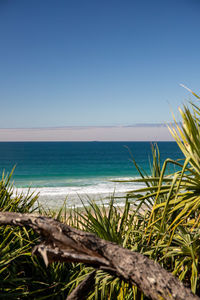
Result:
pixel 54 197
pixel 78 200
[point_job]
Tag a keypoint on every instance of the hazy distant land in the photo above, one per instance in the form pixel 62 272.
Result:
pixel 136 132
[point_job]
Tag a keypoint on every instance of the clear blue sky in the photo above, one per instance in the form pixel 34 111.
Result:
pixel 105 62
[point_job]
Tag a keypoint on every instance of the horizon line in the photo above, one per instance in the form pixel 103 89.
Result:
pixel 82 141
pixel 153 132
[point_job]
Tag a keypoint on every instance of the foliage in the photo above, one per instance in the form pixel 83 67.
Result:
pixel 23 276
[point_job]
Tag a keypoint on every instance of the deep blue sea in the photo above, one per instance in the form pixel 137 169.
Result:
pixel 72 170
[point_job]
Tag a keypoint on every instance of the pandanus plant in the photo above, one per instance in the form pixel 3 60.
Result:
pixel 172 224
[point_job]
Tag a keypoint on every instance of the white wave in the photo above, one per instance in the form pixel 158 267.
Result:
pixel 99 190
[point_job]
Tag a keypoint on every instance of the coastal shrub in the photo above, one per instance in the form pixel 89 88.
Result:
pixel 112 224
pixel 23 276
pixel 171 233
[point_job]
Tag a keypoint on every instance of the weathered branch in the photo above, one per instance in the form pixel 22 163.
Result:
pixel 64 243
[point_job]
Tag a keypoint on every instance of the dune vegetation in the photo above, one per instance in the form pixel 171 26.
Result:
pixel 160 221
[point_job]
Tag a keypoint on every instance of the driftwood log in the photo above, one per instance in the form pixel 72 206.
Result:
pixel 61 242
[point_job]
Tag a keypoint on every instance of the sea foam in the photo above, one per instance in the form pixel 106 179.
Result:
pixel 82 191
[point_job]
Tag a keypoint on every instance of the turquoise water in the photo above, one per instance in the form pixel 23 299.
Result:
pixel 68 169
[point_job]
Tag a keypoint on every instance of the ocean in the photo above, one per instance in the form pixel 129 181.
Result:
pixel 78 171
